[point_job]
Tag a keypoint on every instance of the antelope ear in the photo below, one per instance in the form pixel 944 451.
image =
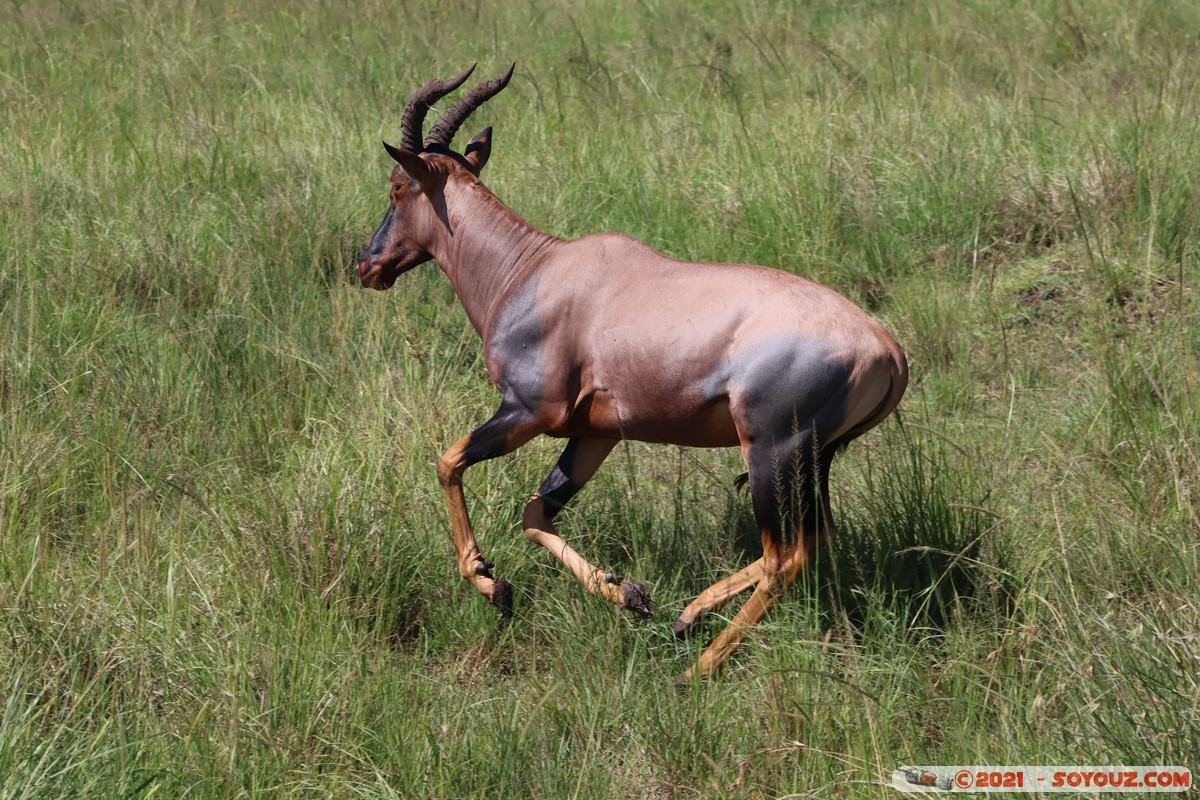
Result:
pixel 412 164
pixel 479 149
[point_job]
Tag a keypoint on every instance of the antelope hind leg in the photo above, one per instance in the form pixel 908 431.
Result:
pixel 779 570
pixel 782 463
pixel 716 596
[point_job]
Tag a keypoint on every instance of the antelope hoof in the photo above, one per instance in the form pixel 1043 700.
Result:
pixel 484 568
pixel 502 598
pixel 682 627
pixel 636 597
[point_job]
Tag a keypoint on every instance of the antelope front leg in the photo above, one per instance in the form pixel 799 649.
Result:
pixel 575 467
pixel 503 433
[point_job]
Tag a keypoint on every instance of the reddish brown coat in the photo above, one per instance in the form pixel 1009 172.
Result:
pixel 602 338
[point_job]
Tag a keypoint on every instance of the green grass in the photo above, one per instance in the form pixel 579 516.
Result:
pixel 225 568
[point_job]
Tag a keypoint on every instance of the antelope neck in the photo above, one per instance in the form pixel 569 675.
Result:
pixel 487 251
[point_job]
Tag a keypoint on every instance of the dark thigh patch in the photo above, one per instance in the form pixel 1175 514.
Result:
pixel 784 384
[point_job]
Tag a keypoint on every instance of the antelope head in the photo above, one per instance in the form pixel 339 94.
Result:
pixel 416 206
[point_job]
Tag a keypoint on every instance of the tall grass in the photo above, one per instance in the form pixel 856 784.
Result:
pixel 224 561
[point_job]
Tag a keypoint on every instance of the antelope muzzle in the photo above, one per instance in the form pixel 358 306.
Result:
pixel 372 271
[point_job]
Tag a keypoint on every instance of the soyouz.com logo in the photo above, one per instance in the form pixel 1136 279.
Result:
pixel 1042 779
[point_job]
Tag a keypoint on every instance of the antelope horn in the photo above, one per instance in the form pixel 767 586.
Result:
pixel 443 132
pixel 413 119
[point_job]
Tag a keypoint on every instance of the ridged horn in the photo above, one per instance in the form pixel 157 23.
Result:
pixel 443 132
pixel 413 119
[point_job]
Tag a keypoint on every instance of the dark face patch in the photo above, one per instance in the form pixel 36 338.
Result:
pixel 379 241
pixel 391 252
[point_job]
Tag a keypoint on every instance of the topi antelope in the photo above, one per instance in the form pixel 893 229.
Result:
pixel 602 339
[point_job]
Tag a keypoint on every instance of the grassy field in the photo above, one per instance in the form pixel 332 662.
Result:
pixel 225 567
